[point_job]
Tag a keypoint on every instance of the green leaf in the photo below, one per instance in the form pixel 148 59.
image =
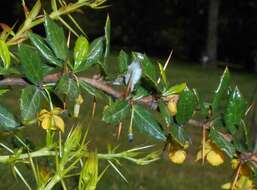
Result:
pixel 163 74
pixel 116 112
pixel 56 38
pixel 175 89
pixel 145 122
pixel 30 103
pixel 140 92
pixel 80 51
pixel 5 54
pixel 186 106
pixel 3 91
pixel 107 30
pixel 67 87
pixel 179 135
pixel 221 90
pixel 123 62
pixel 94 55
pixel 34 11
pixel 31 63
pixel 44 49
pixel 7 120
pixel 221 142
pixel 201 103
pixel 90 89
pixel 149 70
pixel 165 113
pixel 235 111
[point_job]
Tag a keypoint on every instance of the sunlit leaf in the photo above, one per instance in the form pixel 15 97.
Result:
pixel 175 89
pixel 107 30
pixel 80 51
pixel 5 54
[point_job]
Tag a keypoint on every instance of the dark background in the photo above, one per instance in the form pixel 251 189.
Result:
pixel 156 27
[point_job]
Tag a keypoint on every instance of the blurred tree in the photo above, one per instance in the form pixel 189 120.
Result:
pixel 212 37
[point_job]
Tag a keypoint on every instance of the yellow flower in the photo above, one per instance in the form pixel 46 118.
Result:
pixel 212 153
pixel 177 156
pixel 244 170
pixel 50 120
pixel 172 107
pixel 243 183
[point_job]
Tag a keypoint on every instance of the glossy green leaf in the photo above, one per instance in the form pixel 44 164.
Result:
pixel 107 30
pixel 95 54
pixel 235 111
pixel 140 93
pixel 201 103
pixel 44 49
pixel 145 122
pixel 221 90
pixel 163 74
pixel 175 89
pixel 5 54
pixel 67 87
pixel 221 142
pixel 56 38
pixel 80 51
pixel 30 103
pixel 165 113
pixel 149 70
pixel 123 62
pixel 179 135
pixel 31 63
pixel 116 112
pixel 185 107
pixel 7 120
pixel 90 89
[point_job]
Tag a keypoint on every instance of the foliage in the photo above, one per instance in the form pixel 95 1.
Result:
pixel 52 75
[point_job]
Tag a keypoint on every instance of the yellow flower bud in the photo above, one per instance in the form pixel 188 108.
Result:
pixel 172 107
pixel 215 158
pixel 178 156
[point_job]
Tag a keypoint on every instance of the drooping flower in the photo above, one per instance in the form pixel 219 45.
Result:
pixel 177 153
pixel 212 153
pixel 177 156
pixel 50 120
pixel 243 183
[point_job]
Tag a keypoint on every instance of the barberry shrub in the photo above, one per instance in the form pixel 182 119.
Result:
pixel 56 78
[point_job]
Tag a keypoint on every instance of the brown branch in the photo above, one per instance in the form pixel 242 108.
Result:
pixel 102 85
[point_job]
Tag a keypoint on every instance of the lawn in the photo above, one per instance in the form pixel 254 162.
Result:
pixel 161 174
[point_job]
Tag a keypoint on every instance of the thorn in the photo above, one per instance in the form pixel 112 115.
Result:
pixel 94 107
pixel 119 130
pixel 68 40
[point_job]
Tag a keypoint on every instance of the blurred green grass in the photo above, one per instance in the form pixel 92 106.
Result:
pixel 161 174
